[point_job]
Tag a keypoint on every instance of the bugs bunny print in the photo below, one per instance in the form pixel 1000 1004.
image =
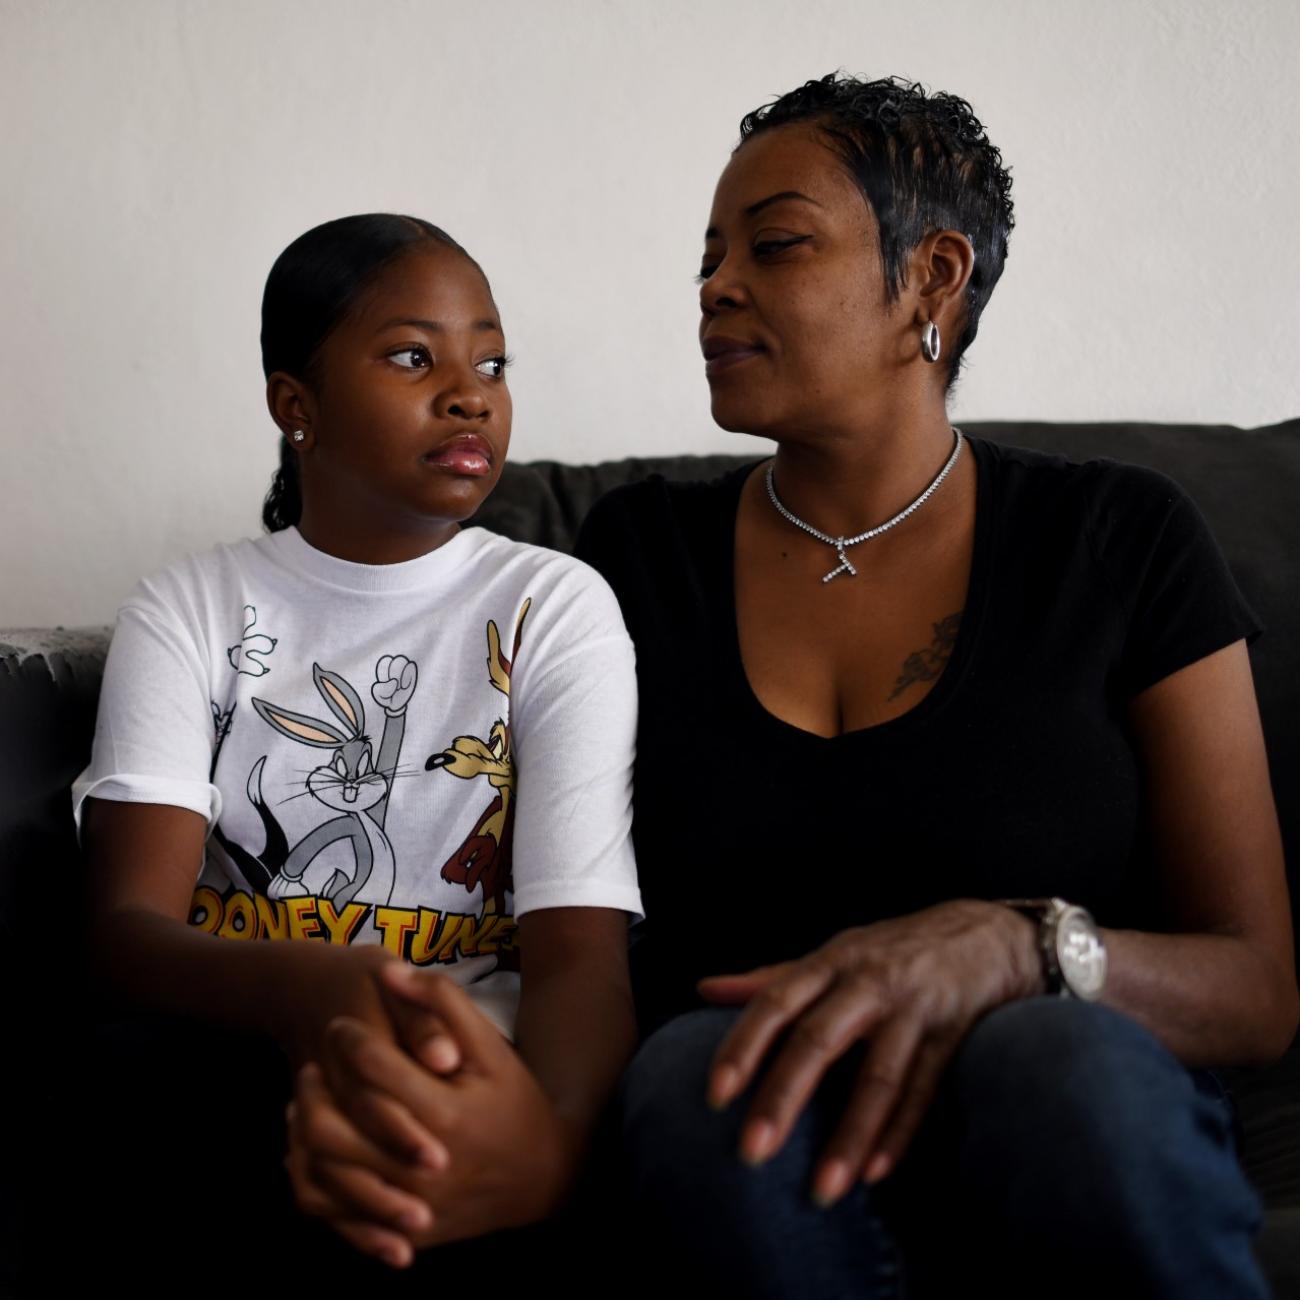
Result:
pixel 353 782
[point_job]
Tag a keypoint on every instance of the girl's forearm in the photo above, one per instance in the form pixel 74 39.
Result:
pixel 162 964
pixel 576 1030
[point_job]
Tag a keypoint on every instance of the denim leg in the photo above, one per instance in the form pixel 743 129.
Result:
pixel 704 1218
pixel 1089 1156
pixel 1067 1151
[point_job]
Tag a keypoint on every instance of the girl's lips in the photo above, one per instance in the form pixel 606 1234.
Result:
pixel 467 454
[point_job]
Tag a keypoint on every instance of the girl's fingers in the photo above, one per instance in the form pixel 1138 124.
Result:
pixel 311 1199
pixel 392 1128
pixel 358 1058
pixel 361 1194
pixel 768 1012
pixel 390 1247
pixel 887 1074
pixel 819 1037
pixel 323 1127
pixel 476 1038
pixel 424 1034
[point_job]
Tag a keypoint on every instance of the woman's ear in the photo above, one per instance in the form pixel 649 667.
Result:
pixel 290 402
pixel 941 268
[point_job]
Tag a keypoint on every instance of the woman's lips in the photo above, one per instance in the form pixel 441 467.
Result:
pixel 722 354
pixel 465 454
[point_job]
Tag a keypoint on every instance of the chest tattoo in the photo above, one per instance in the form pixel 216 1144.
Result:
pixel 926 665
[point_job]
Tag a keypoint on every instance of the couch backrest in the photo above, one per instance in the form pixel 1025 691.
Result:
pixel 1246 482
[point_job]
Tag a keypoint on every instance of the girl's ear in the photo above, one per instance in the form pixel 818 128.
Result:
pixel 292 408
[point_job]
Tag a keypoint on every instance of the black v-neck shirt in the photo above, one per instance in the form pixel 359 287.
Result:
pixel 1015 776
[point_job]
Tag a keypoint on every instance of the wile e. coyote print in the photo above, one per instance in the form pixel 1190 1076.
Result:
pixel 354 782
pixel 485 858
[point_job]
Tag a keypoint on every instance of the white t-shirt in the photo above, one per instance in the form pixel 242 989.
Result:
pixel 411 754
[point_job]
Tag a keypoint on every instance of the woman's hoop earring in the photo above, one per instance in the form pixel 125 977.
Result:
pixel 298 435
pixel 930 342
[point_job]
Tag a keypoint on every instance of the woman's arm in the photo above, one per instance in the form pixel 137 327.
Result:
pixel 1219 989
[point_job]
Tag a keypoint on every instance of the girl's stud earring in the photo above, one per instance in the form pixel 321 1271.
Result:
pixel 298 435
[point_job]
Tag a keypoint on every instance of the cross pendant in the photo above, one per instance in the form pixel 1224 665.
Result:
pixel 845 566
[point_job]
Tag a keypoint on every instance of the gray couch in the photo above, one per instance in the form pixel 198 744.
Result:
pixel 1247 482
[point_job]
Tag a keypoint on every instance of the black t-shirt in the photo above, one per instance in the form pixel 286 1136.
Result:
pixel 1015 776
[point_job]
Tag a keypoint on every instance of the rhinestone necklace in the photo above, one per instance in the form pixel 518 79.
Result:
pixel 842 543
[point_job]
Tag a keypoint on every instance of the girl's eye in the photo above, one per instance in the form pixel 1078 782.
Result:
pixel 416 358
pixel 705 272
pixel 493 367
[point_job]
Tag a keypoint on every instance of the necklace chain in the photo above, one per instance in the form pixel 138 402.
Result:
pixel 842 543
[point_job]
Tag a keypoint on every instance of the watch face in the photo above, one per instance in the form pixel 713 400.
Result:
pixel 1081 954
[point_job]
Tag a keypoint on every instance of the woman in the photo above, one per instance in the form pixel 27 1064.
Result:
pixel 397 744
pixel 891 680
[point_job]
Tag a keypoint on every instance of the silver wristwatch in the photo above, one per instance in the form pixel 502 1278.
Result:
pixel 1074 956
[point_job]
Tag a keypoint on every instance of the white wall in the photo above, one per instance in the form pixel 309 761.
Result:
pixel 157 155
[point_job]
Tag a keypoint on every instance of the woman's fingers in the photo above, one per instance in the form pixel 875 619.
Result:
pixel 740 988
pixel 932 1060
pixel 822 1034
pixel 886 1075
pixel 768 1012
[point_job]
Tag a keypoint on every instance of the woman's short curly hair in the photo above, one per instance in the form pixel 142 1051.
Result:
pixel 923 163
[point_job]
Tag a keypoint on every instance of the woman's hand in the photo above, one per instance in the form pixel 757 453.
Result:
pixel 910 987
pixel 510 1159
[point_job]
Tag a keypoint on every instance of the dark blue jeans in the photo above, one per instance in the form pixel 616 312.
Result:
pixel 1066 1151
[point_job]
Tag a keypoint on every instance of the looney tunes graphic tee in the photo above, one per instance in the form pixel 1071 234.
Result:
pixel 411 754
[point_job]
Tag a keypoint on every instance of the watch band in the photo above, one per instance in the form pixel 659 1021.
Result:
pixel 1069 944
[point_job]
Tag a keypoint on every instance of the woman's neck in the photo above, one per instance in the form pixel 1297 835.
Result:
pixel 847 481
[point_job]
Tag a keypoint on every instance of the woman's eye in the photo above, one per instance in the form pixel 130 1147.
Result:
pixel 494 367
pixel 767 247
pixel 705 273
pixel 411 358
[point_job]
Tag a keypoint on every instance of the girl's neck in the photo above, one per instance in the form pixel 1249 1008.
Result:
pixel 394 544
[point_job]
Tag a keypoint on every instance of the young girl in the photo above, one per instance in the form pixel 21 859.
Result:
pixel 394 743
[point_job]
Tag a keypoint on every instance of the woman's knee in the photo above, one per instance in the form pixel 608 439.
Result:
pixel 1070 1113
pixel 757 1230
pixel 1047 1062
pixel 664 1090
